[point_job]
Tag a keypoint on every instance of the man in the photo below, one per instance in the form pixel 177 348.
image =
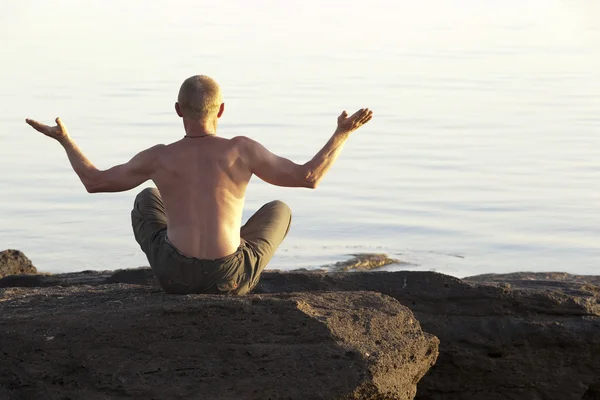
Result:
pixel 189 226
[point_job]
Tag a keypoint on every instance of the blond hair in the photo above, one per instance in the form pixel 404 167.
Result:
pixel 199 97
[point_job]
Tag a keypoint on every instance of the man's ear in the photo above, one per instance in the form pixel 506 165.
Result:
pixel 178 110
pixel 221 110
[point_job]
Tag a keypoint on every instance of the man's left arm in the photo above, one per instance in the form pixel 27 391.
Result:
pixel 116 179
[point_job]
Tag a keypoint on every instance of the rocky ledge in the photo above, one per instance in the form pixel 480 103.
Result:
pixel 120 341
pixel 518 336
pixel 522 338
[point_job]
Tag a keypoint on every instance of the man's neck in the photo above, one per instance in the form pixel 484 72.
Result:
pixel 199 128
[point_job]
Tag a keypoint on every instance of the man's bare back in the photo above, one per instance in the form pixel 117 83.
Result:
pixel 201 181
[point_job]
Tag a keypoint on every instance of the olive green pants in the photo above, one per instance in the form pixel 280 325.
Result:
pixel 237 273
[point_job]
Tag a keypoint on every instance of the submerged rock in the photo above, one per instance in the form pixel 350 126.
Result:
pixel 363 262
pixel 122 341
pixel 14 262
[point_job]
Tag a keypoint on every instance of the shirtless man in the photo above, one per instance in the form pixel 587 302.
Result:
pixel 189 227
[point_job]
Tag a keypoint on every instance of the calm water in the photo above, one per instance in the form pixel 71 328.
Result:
pixel 483 156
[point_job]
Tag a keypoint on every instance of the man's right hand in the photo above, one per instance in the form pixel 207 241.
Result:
pixel 347 124
pixel 58 132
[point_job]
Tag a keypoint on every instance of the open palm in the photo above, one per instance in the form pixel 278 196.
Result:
pixel 351 123
pixel 57 132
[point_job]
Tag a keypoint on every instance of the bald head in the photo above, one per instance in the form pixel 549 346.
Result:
pixel 199 98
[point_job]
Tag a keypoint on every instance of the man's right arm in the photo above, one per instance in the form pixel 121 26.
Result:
pixel 280 171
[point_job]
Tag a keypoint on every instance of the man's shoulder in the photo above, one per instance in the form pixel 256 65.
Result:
pixel 243 140
pixel 243 144
pixel 158 147
pixel 150 153
pixel 246 148
pixel 155 149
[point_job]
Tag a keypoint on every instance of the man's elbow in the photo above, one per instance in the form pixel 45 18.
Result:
pixel 311 184
pixel 309 180
pixel 93 183
pixel 92 188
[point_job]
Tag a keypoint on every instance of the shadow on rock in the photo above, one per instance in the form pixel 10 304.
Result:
pixel 120 341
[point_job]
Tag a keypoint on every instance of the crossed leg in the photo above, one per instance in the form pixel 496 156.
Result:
pixel 261 236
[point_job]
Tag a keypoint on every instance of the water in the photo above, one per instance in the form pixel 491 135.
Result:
pixel 483 155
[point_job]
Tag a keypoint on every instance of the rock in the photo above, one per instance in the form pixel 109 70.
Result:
pixel 123 341
pixel 497 340
pixel 593 392
pixel 364 262
pixel 137 276
pixel 521 278
pixel 515 336
pixel 14 262
pixel 93 278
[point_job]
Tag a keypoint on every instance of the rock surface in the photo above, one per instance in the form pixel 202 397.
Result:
pixel 516 336
pixel 497 340
pixel 364 262
pixel 522 278
pixel 120 341
pixel 14 262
